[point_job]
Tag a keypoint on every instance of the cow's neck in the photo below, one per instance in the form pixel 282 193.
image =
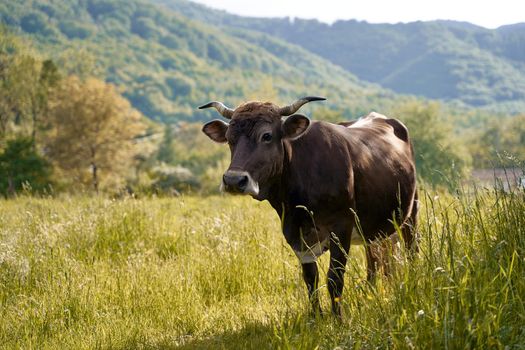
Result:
pixel 278 193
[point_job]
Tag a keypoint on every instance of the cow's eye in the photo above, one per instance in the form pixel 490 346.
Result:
pixel 267 137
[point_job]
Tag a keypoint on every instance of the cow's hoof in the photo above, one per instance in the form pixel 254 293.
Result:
pixel 317 313
pixel 336 310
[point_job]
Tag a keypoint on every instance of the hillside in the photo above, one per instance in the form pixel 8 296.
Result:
pixel 441 59
pixel 167 64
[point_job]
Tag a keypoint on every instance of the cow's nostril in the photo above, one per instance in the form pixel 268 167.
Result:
pixel 235 182
pixel 243 182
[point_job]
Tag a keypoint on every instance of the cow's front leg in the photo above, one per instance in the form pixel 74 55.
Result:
pixel 338 256
pixel 311 278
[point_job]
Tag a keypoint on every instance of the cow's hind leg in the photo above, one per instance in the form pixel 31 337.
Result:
pixel 373 261
pixel 311 278
pixel 338 255
pixel 409 231
pixel 381 254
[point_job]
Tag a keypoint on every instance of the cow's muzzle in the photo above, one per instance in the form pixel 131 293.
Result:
pixel 240 182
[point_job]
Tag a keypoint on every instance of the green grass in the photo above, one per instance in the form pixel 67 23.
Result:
pixel 191 272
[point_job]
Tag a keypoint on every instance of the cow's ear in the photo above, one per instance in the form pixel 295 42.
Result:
pixel 216 130
pixel 295 126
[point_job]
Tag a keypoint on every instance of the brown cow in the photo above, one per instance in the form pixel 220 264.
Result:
pixel 324 181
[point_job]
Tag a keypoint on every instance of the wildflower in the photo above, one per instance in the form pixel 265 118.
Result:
pixel 409 343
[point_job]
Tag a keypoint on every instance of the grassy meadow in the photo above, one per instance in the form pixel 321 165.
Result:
pixel 215 272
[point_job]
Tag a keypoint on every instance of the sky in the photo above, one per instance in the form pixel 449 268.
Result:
pixel 486 13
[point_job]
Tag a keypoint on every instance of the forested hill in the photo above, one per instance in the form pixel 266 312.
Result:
pixel 167 64
pixel 439 59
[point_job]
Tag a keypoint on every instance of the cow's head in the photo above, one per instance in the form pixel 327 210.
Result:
pixel 256 135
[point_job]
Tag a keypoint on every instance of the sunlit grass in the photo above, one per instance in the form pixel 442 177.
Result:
pixel 216 272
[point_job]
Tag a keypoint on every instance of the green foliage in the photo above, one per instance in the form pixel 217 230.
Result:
pixel 14 64
pixel 21 167
pixel 179 86
pixel 215 272
pixel 441 159
pixel 445 60
pixel 87 140
pixel 167 64
pixel 144 27
pixel 99 8
pixel 500 143
pixel 34 23
pixel 74 30
pixel 25 81
pixel 438 59
pixel 78 61
pixel 165 153
pixel 195 151
pixel 187 160
pixel 172 179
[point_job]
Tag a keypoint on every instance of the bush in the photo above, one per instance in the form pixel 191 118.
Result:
pixel 22 168
pixel 173 179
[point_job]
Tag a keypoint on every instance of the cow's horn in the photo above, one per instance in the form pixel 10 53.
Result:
pixel 226 112
pixel 294 107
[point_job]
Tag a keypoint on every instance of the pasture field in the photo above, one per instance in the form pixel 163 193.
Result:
pixel 215 272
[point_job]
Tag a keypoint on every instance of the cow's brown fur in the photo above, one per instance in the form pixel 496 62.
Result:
pixel 331 180
pixel 250 109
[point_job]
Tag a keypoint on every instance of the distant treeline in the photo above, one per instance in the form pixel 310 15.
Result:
pixel 167 63
pixel 61 129
pixel 446 60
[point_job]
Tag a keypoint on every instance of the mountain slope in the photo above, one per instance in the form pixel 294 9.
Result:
pixel 441 59
pixel 168 64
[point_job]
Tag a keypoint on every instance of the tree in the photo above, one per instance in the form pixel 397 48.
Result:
pixel 15 67
pixel 264 91
pixel 500 143
pixel 47 79
pixel 514 138
pixel 20 165
pixel 36 78
pixel 24 82
pixel 93 131
pixel 79 61
pixel 328 115
pixel 165 153
pixel 440 156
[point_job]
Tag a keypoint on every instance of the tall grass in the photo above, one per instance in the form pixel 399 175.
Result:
pixel 216 272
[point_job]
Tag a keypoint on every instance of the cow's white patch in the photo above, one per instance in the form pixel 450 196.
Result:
pixel 311 254
pixel 252 188
pixel 366 120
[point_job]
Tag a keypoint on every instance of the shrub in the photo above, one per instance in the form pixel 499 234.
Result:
pixel 21 167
